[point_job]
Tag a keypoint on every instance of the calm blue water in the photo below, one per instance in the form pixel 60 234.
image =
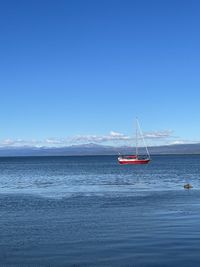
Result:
pixel 90 211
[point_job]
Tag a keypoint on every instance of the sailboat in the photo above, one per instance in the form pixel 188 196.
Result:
pixel 136 159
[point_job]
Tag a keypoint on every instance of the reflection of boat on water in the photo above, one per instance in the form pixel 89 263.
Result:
pixel 136 159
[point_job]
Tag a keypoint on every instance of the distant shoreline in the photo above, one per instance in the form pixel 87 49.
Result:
pixel 99 155
pixel 97 150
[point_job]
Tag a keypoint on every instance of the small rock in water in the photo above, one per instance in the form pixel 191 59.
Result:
pixel 188 186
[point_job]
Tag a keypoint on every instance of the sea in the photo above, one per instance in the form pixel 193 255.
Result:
pixel 91 211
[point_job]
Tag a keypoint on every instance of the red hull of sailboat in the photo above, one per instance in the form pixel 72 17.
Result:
pixel 137 161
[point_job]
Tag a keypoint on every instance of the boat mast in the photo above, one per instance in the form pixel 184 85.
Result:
pixel 141 134
pixel 136 138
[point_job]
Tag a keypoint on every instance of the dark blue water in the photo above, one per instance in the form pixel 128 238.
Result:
pixel 90 211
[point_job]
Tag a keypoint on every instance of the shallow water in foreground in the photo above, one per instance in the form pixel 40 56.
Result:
pixel 90 211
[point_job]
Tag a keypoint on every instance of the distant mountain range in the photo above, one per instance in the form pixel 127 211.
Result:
pixel 94 149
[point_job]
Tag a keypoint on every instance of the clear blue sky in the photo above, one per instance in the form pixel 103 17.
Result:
pixel 89 67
